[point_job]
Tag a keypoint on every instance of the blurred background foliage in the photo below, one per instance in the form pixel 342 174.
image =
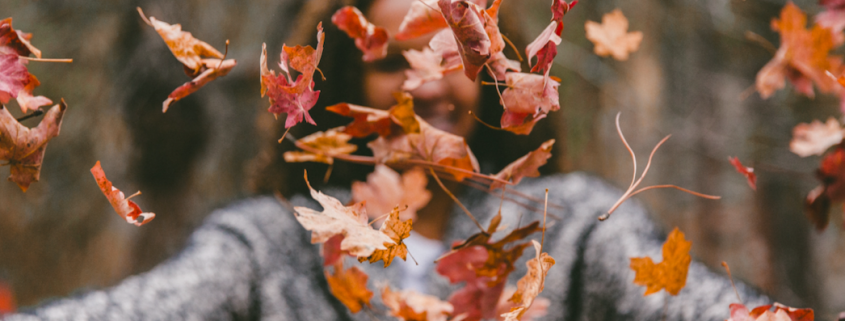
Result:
pixel 692 78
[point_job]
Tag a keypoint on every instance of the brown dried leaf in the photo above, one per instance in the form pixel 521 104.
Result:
pixel 187 49
pixel 526 166
pixel 24 147
pixel 349 287
pixel 530 285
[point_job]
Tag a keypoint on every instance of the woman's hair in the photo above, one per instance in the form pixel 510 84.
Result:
pixel 343 68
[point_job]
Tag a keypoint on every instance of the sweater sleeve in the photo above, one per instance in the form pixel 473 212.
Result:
pixel 591 279
pixel 247 261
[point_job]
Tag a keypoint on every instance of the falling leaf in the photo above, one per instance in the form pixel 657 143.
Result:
pixel 817 206
pixel 372 40
pixel 802 56
pixel 500 66
pixel 747 171
pixel 409 305
pixel 27 101
pixel 367 121
pixel 611 37
pixel 127 209
pixel 425 67
pixel 671 274
pixel 421 19
pixel 349 287
pixel 295 98
pixel 525 166
pixel 24 147
pixel 187 49
pixel 397 230
pixel 359 240
pixel 386 189
pixel 13 75
pixel 816 137
pixel 467 22
pixel 330 143
pixel 537 310
pixel 544 47
pixel 213 68
pixel 17 40
pixel 833 18
pixel 528 98
pixel 484 266
pixel 831 173
pixel 530 285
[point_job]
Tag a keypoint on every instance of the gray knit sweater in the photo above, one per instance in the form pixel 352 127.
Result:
pixel 253 261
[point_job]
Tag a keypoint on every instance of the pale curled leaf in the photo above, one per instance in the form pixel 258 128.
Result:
pixel 530 285
pixel 525 166
pixel 816 137
pixel 187 49
pixel 327 144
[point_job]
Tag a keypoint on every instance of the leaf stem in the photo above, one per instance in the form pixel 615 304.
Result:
pixel 483 123
pixel 439 182
pixel 518 56
pixel 36 113
pixel 64 60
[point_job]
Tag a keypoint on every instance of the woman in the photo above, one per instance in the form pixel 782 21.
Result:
pixel 252 260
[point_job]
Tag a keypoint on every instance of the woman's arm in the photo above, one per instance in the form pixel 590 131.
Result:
pixel 247 261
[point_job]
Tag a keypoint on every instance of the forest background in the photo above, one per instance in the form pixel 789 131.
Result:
pixel 690 78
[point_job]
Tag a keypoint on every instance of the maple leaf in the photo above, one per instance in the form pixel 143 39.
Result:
pixel 424 18
pixel 372 40
pixel 187 49
pixel 359 239
pixel 611 37
pixel 833 18
pixel 764 313
pixel 127 209
pixel 748 172
pixel 544 47
pixel 671 274
pixel 295 98
pixel 528 99
pixel 13 75
pixel 397 230
pixel 386 189
pixel 24 147
pixel 349 287
pixel 802 56
pixel 525 166
pixel 409 305
pixel 530 285
pixel 425 66
pixel 213 68
pixel 816 137
pixel 322 146
pixel 468 22
pixel 484 266
pixel 17 40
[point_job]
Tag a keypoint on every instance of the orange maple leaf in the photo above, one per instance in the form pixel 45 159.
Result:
pixel 127 209
pixel 23 148
pixel 530 285
pixel 349 287
pixel 611 36
pixel 671 274
pixel 397 230
pixel 322 146
pixel 803 56
pixel 409 305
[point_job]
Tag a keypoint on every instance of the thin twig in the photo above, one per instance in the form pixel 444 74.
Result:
pixel 707 196
pixel 133 195
pixel 763 42
pixel 224 55
pixel 483 123
pixel 285 134
pixel 730 277
pixel 518 56
pixel 439 182
pixel 64 60
pixel 496 80
pixel 545 209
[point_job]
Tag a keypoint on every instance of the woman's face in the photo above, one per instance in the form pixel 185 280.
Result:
pixel 444 103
